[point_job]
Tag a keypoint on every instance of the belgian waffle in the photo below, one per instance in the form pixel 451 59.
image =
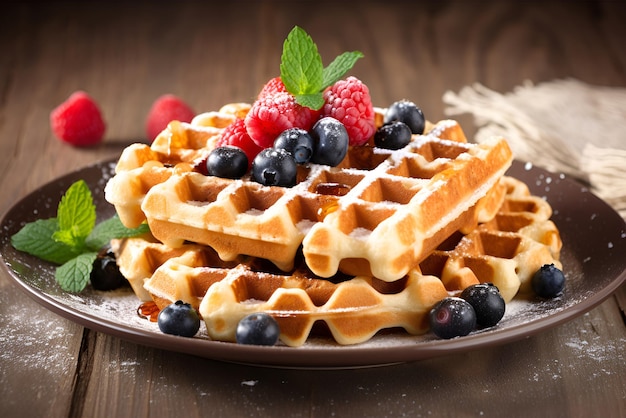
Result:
pixel 178 148
pixel 139 257
pixel 353 309
pixel 505 250
pixel 406 201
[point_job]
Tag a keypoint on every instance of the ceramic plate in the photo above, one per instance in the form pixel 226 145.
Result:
pixel 593 256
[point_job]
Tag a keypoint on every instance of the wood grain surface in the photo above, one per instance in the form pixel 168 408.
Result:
pixel 126 54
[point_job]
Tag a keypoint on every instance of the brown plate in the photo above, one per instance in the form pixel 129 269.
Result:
pixel 593 256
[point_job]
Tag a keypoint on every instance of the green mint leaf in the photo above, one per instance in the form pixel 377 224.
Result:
pixel 301 64
pixel 339 67
pixel 112 228
pixel 71 238
pixel 35 238
pixel 73 276
pixel 76 214
pixel 302 70
pixel 313 101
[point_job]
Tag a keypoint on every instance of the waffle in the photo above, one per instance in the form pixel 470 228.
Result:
pixel 353 309
pixel 139 257
pixel 407 201
pixel 506 250
pixel 179 148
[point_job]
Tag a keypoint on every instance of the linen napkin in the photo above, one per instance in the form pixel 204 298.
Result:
pixel 565 126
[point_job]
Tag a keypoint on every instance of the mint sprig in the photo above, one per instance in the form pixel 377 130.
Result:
pixel 302 70
pixel 72 239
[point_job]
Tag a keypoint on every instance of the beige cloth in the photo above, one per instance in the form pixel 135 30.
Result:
pixel 564 126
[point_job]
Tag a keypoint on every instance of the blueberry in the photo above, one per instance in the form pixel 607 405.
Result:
pixel 407 112
pixel 274 167
pixel 452 317
pixel 331 141
pixel 394 135
pixel 487 302
pixel 228 162
pixel 258 329
pixel 179 318
pixel 105 274
pixel 297 142
pixel 548 281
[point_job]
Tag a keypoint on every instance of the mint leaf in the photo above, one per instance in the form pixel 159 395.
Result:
pixel 112 228
pixel 76 214
pixel 35 238
pixel 312 101
pixel 302 70
pixel 339 67
pixel 73 276
pixel 301 64
pixel 72 239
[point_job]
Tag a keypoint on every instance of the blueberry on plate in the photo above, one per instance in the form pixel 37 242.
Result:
pixel 452 317
pixel 548 281
pixel 257 329
pixel 487 302
pixel 227 162
pixel 105 274
pixel 274 167
pixel 407 112
pixel 179 318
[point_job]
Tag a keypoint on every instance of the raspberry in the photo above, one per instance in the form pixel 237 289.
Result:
pixel 78 120
pixel 349 102
pixel 236 134
pixel 275 85
pixel 164 110
pixel 274 113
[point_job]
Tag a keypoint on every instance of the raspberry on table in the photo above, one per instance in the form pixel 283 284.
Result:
pixel 78 120
pixel 275 113
pixel 349 102
pixel 236 135
pixel 164 110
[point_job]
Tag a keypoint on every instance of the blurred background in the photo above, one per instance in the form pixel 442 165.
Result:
pixel 210 53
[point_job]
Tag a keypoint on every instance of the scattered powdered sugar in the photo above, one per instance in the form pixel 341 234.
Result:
pixel 589 345
pixel 38 337
pixel 360 233
pixel 305 225
pixel 254 212
pixel 597 350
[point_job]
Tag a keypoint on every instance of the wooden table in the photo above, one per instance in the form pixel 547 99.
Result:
pixel 127 54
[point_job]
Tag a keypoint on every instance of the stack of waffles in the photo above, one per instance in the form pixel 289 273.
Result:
pixel 370 244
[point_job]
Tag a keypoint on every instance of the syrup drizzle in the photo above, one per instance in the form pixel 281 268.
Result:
pixel 333 189
pixel 149 310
